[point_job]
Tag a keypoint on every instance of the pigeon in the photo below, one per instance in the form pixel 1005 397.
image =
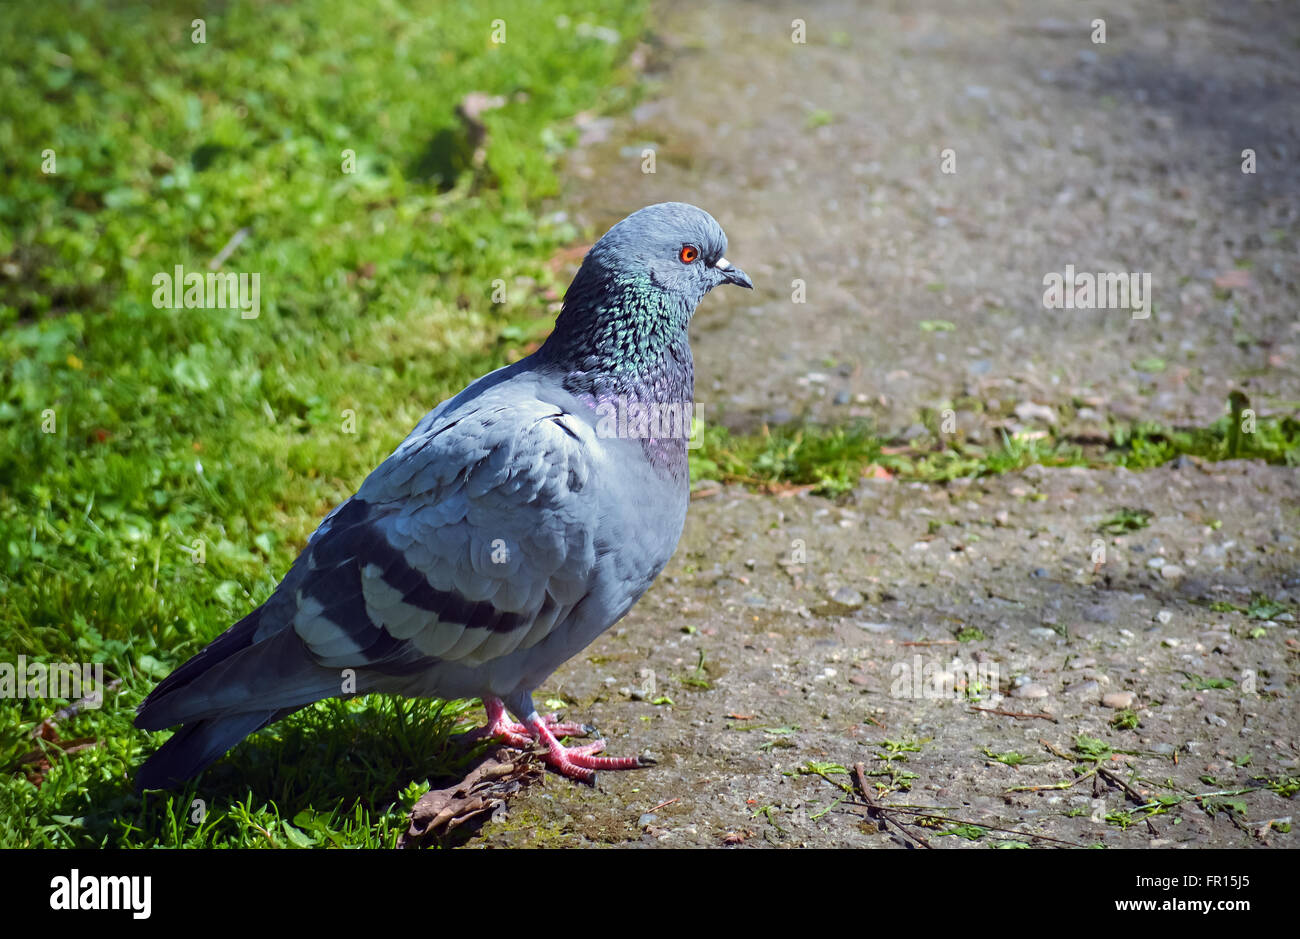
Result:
pixel 517 522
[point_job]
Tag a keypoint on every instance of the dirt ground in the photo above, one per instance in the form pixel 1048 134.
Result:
pixel 789 632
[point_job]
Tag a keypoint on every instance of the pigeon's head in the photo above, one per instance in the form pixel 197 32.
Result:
pixel 673 247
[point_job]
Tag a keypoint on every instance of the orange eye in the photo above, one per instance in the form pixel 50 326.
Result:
pixel 689 253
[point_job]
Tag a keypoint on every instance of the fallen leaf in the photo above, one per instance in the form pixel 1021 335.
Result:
pixel 440 811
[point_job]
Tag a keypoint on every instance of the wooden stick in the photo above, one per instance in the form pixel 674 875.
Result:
pixel 963 821
pixel 1129 791
pixel 235 241
pixel 1020 714
pixel 874 808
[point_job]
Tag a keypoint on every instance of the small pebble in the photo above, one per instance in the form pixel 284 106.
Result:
pixel 847 596
pixel 1118 699
pixel 1164 617
pixel 1032 690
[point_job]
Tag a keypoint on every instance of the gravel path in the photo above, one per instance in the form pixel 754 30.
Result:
pixel 924 290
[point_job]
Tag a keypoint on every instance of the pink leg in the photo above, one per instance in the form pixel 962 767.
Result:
pixel 517 735
pixel 578 763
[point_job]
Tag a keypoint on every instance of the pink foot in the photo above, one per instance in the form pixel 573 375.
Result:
pixel 517 735
pixel 578 763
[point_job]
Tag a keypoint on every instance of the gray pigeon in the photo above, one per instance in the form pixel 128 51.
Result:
pixel 517 522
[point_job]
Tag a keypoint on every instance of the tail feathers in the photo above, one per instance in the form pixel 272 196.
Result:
pixel 251 675
pixel 275 673
pixel 235 639
pixel 197 745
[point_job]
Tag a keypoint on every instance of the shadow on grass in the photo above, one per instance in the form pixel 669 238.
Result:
pixel 340 773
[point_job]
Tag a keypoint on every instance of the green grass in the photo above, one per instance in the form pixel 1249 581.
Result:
pixel 832 460
pixel 136 441
pixel 1126 520
pixel 1262 606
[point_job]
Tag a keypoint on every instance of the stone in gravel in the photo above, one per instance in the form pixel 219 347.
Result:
pixel 1164 617
pixel 1171 572
pixel 1032 690
pixel 1085 687
pixel 1028 411
pixel 1043 632
pixel 875 627
pixel 847 596
pixel 1216 720
pixel 1118 699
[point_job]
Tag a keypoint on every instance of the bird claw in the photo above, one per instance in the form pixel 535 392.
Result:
pixel 581 762
pixel 519 735
pixel 577 762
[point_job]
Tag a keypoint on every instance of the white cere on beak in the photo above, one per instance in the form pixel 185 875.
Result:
pixel 722 264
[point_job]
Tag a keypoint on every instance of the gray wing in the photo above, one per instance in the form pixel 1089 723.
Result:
pixel 471 541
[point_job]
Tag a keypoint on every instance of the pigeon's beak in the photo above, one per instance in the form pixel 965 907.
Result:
pixel 732 274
